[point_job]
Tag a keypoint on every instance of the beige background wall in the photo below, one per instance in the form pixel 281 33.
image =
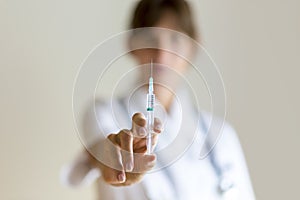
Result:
pixel 42 43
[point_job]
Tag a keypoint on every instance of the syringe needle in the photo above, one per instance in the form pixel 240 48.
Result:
pixel 151 68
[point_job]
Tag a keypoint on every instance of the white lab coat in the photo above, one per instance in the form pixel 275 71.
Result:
pixel 186 177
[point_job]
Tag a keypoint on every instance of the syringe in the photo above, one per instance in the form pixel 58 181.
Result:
pixel 150 112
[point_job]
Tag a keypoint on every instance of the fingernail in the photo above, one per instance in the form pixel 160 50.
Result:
pixel 158 127
pixel 121 177
pixel 129 166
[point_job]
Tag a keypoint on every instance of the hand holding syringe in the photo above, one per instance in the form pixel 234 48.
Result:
pixel 127 157
pixel 124 157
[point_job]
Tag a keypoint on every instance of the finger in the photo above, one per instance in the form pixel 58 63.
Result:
pixel 126 143
pixel 108 153
pixel 137 140
pixel 115 139
pixel 139 119
pixel 158 127
pixel 142 143
pixel 154 141
pixel 143 162
pixel 113 176
pixel 141 150
pixel 139 125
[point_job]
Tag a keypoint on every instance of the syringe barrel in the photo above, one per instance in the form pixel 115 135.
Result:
pixel 150 124
pixel 150 102
pixel 150 121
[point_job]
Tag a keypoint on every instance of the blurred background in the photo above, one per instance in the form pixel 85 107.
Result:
pixel 42 44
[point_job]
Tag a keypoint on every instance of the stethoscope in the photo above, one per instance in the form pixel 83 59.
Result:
pixel 225 183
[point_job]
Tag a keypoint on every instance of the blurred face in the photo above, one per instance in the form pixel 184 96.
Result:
pixel 166 64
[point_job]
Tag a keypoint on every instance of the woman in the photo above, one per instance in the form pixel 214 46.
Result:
pixel 119 162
